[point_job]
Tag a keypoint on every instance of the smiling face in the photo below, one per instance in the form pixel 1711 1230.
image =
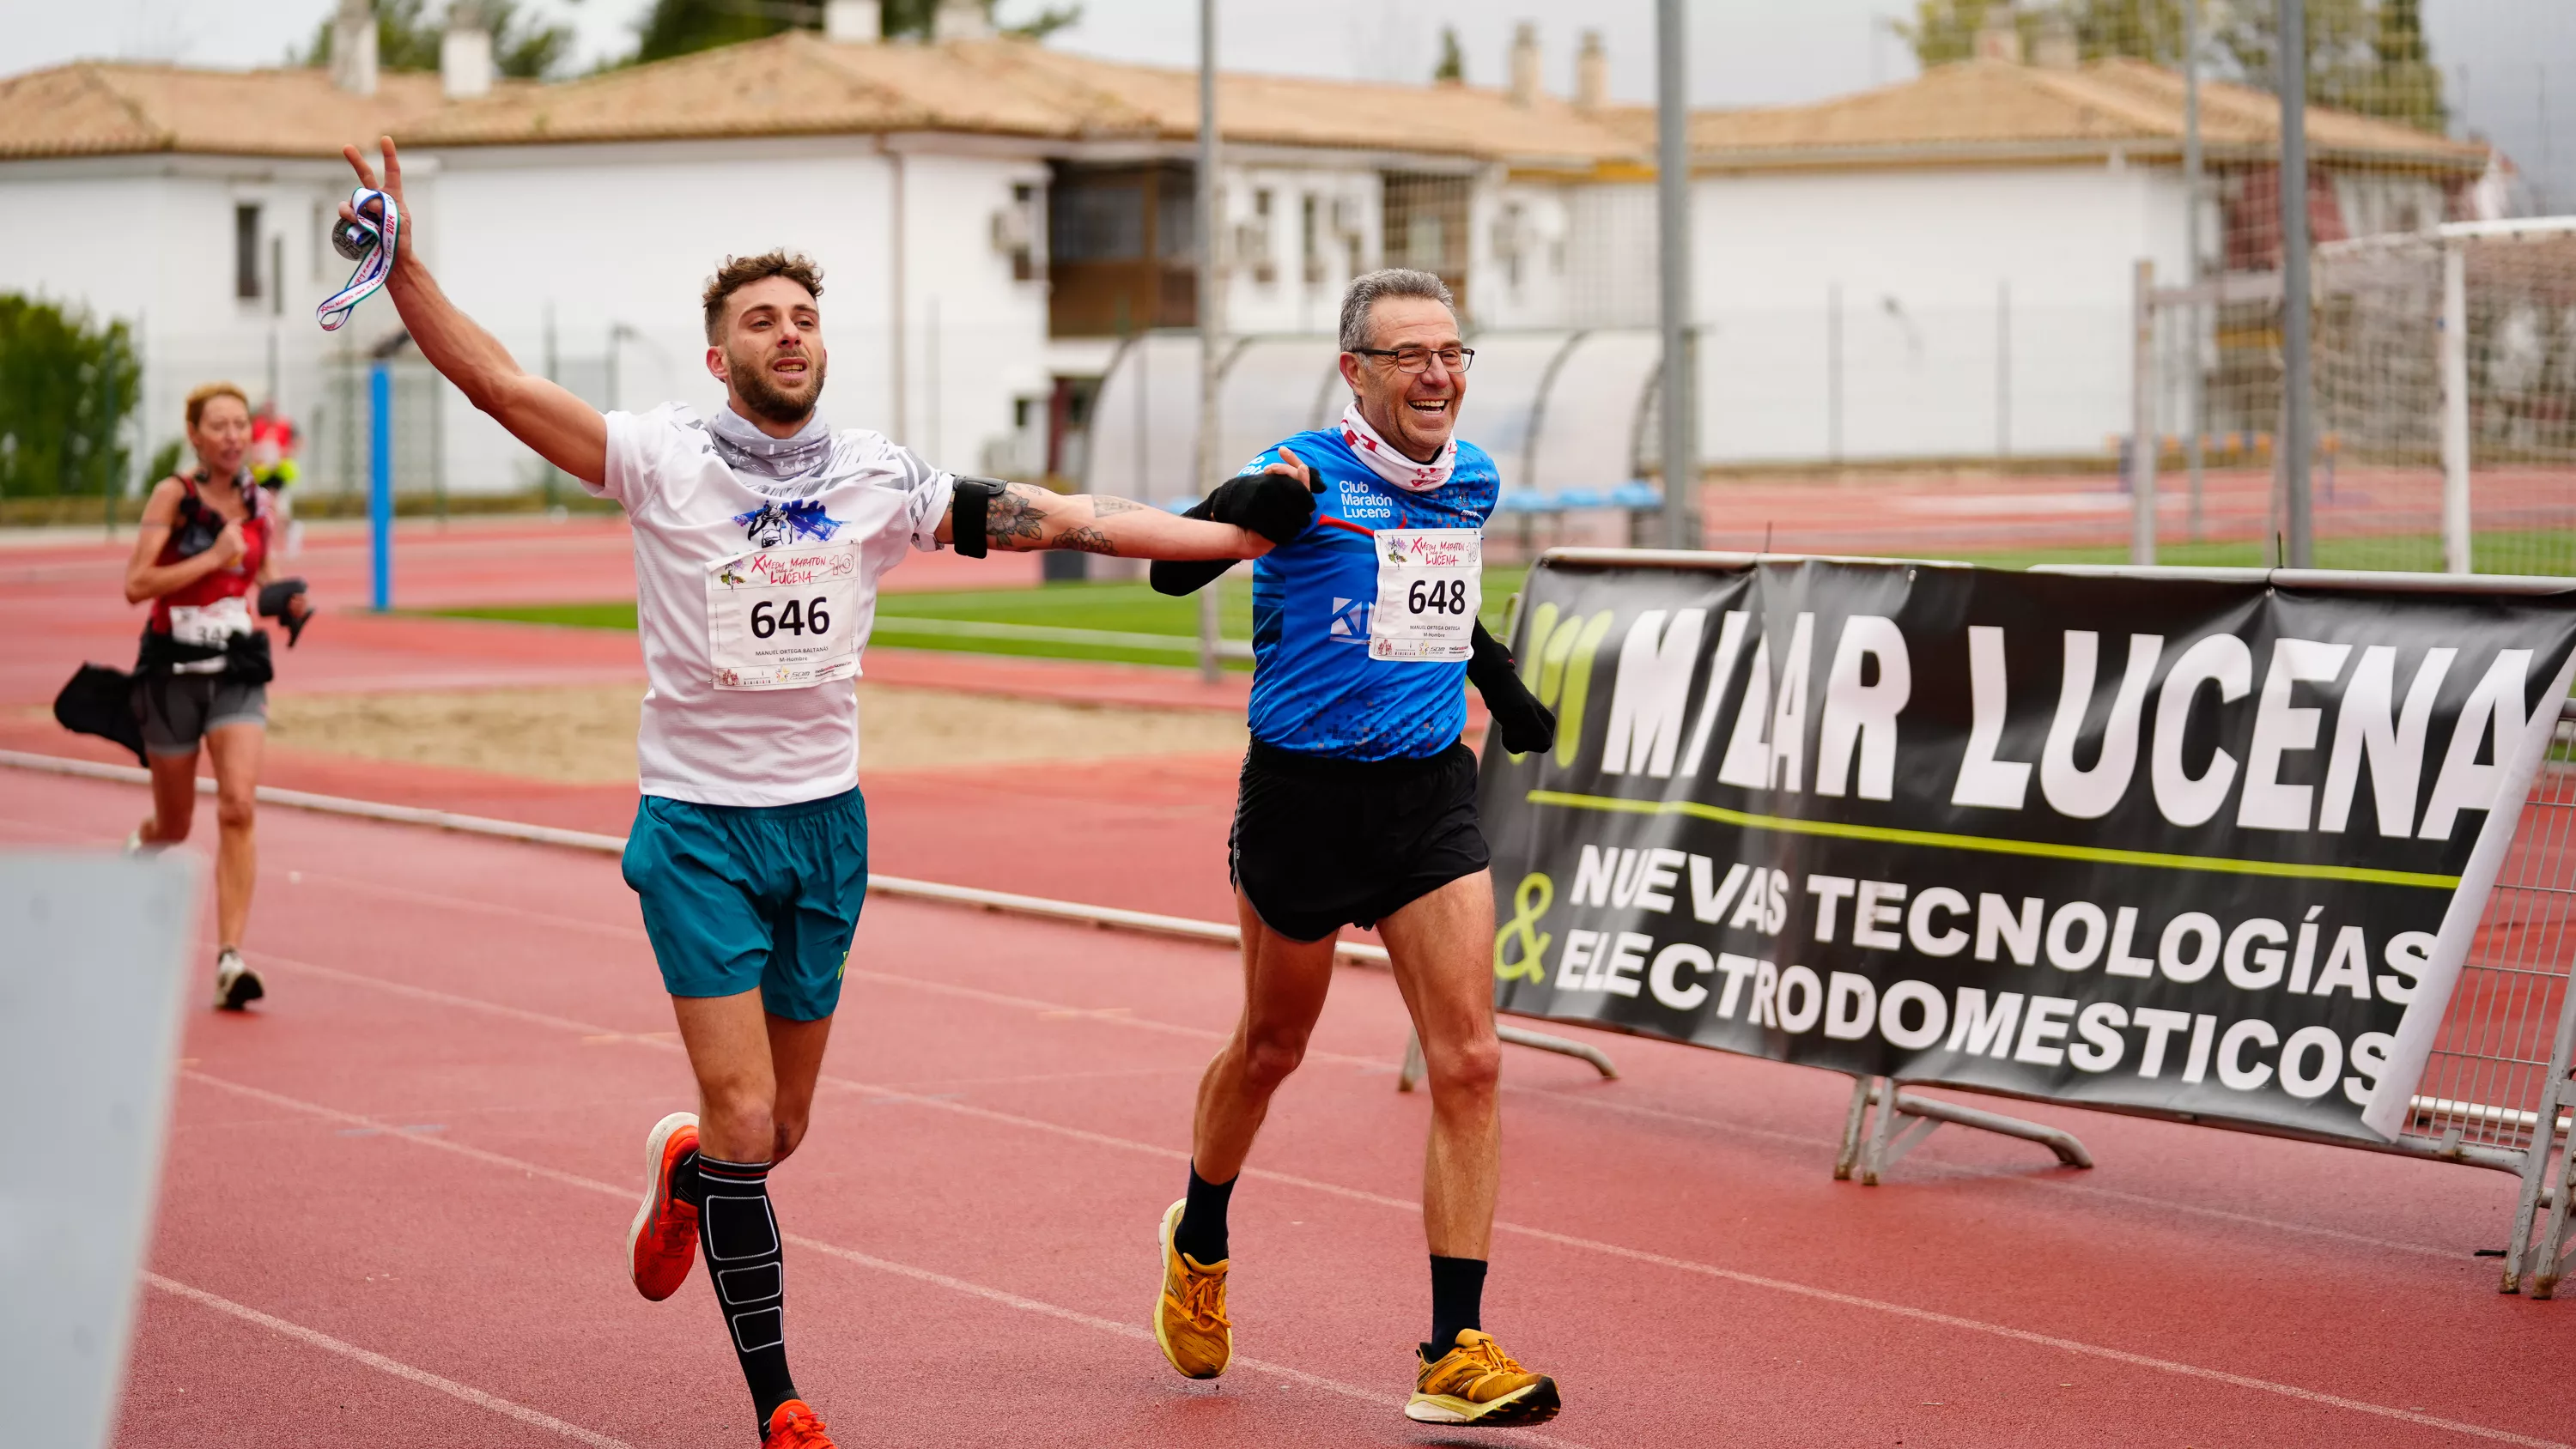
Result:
pixel 771 359
pixel 1414 411
pixel 221 435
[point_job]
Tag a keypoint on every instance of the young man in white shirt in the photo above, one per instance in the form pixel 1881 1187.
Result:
pixel 759 537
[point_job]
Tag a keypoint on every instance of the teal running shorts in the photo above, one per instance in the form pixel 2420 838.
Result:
pixel 738 896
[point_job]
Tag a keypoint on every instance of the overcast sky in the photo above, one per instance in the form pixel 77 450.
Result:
pixel 2496 55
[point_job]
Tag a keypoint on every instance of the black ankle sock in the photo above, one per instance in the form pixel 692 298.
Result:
pixel 1201 1233
pixel 686 1185
pixel 738 1235
pixel 1457 1300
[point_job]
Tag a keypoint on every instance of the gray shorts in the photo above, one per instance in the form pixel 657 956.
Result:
pixel 178 709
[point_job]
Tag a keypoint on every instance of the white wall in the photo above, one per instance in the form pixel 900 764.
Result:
pixel 1517 267
pixel 615 243
pixel 1919 259
pixel 149 240
pixel 1288 302
pixel 1928 343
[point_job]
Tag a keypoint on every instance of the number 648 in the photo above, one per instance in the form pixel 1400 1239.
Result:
pixel 1437 596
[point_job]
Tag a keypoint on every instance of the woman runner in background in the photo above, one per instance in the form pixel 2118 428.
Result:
pixel 204 548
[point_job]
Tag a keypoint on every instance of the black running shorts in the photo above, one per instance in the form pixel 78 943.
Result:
pixel 1321 843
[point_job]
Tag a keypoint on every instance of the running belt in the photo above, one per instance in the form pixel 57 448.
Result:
pixel 370 242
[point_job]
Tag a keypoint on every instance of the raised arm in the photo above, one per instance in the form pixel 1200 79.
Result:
pixel 560 427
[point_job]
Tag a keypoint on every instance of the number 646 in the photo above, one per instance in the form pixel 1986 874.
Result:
pixel 794 616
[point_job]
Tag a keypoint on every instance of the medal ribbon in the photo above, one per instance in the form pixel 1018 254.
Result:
pixel 374 267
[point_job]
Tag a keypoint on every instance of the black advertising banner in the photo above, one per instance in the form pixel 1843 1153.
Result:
pixel 2181 845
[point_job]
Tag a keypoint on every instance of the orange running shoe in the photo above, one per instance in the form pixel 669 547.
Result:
pixel 794 1426
pixel 1189 1312
pixel 663 1243
pixel 1477 1383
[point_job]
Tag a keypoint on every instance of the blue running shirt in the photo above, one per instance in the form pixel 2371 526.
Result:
pixel 1315 689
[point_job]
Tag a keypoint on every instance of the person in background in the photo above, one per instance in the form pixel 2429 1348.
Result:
pixel 203 557
pixel 272 465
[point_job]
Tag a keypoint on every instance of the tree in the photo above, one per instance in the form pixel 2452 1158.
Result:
pixel 914 18
pixel 1944 31
pixel 2363 55
pixel 66 389
pixel 679 27
pixel 406 40
pixel 1453 61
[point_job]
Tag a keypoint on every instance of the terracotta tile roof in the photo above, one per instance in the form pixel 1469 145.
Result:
pixel 1995 110
pixel 101 108
pixel 799 84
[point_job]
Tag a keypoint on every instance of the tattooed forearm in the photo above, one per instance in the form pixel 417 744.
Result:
pixel 1087 540
pixel 1105 506
pixel 1015 519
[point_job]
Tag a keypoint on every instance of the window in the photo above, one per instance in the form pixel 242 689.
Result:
pixel 246 253
pixel 1252 241
pixel 1310 239
pixel 1097 223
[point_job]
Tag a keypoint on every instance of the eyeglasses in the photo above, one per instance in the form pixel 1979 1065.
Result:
pixel 1418 359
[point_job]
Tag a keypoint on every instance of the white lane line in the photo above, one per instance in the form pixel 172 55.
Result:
pixel 1553 1095
pixel 831 1250
pixel 381 1364
pixel 1592 1245
pixel 1562 1096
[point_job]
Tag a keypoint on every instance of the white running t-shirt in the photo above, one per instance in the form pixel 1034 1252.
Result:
pixel 695 521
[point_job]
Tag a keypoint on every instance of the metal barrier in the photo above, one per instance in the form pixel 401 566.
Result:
pixel 2499 1069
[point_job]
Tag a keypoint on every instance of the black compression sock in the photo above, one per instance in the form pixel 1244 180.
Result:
pixel 1201 1233
pixel 738 1235
pixel 1457 1300
pixel 686 1185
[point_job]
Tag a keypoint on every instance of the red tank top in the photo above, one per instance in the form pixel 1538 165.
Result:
pixel 223 583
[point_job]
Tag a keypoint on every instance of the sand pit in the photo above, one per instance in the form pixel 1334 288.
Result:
pixel 587 735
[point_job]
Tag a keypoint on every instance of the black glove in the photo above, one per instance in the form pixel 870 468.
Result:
pixel 1525 726
pixel 274 601
pixel 1274 505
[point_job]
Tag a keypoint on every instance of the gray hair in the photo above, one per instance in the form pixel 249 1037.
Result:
pixel 1370 288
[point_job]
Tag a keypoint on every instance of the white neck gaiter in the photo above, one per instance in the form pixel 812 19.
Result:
pixel 789 465
pixel 1391 465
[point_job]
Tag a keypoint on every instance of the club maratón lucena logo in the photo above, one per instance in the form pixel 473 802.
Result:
pixel 2182 846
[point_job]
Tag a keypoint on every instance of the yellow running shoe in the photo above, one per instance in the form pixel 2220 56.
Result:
pixel 1477 1383
pixel 1189 1312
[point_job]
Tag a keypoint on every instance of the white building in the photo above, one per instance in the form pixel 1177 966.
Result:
pixel 1938 269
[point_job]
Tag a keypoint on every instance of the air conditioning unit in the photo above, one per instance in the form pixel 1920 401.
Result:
pixel 1017 233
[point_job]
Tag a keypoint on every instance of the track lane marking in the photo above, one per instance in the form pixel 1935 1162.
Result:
pixel 831 1250
pixel 381 1364
pixel 1555 1095
pixel 1566 1240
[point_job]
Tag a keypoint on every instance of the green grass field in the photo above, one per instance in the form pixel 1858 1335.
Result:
pixel 1130 619
pixel 1130 623
pixel 2534 551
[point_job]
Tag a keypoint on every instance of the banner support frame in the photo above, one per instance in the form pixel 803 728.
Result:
pixel 1886 1143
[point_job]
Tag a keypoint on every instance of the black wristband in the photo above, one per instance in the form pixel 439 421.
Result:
pixel 970 514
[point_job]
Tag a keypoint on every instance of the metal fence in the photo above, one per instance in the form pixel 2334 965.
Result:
pixel 2495 1092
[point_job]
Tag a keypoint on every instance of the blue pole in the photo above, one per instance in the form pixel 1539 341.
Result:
pixel 380 484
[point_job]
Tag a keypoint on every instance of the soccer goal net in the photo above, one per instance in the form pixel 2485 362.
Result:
pixel 2445 367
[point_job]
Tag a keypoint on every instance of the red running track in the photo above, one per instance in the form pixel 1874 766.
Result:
pixel 396 1192
pixel 65 597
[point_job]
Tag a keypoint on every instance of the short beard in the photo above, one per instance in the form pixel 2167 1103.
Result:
pixel 751 384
